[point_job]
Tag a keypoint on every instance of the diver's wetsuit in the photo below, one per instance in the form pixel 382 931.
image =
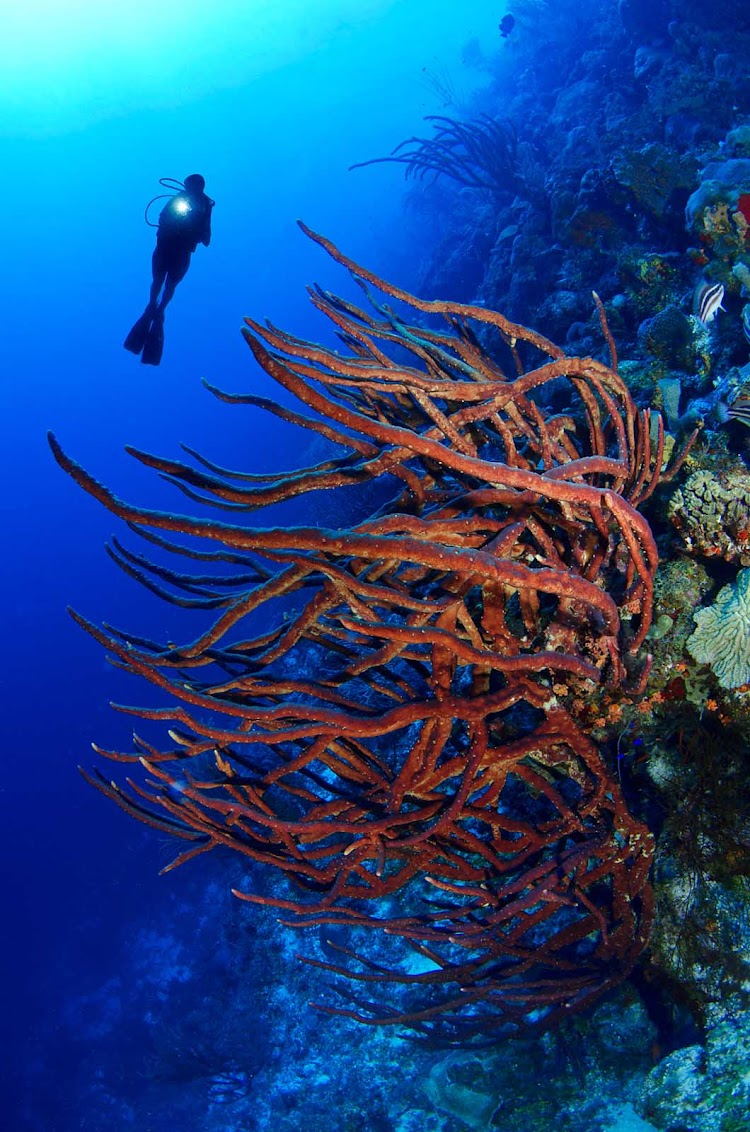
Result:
pixel 185 222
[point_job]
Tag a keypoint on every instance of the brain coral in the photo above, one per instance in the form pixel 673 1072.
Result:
pixel 712 513
pixel 722 636
pixel 668 336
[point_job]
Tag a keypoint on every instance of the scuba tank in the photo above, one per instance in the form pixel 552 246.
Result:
pixel 180 202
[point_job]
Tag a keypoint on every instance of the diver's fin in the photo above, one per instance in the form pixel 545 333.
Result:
pixel 154 344
pixel 136 339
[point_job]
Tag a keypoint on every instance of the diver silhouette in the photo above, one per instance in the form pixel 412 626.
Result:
pixel 184 222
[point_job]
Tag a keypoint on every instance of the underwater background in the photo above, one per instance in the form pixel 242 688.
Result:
pixel 615 158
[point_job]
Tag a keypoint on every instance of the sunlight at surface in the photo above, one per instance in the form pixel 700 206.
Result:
pixel 62 64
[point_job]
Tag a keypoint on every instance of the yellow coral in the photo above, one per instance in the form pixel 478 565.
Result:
pixel 716 218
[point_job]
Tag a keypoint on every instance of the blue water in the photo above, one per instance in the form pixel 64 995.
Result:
pixel 271 102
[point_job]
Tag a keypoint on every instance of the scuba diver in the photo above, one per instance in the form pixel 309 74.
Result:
pixel 184 222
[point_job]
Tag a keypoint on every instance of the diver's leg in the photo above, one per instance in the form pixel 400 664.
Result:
pixel 176 273
pixel 139 332
pixel 159 269
pixel 176 267
pixel 167 294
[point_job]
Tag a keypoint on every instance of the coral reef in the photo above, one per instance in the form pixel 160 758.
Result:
pixel 480 154
pixel 711 510
pixel 719 209
pixel 407 722
pixel 654 175
pixel 722 635
pixel 704 1088
pixel 629 176
pixel 669 337
pixel 635 187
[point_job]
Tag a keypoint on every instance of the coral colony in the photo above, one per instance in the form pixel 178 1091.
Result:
pixel 402 744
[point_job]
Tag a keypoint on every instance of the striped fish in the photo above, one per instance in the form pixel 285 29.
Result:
pixel 745 319
pixel 707 301
pixel 739 410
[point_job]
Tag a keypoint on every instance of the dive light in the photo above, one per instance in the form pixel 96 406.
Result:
pixel 181 206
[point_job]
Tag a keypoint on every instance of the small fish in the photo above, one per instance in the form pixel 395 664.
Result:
pixel 506 25
pixel 707 301
pixel 745 320
pixel 739 410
